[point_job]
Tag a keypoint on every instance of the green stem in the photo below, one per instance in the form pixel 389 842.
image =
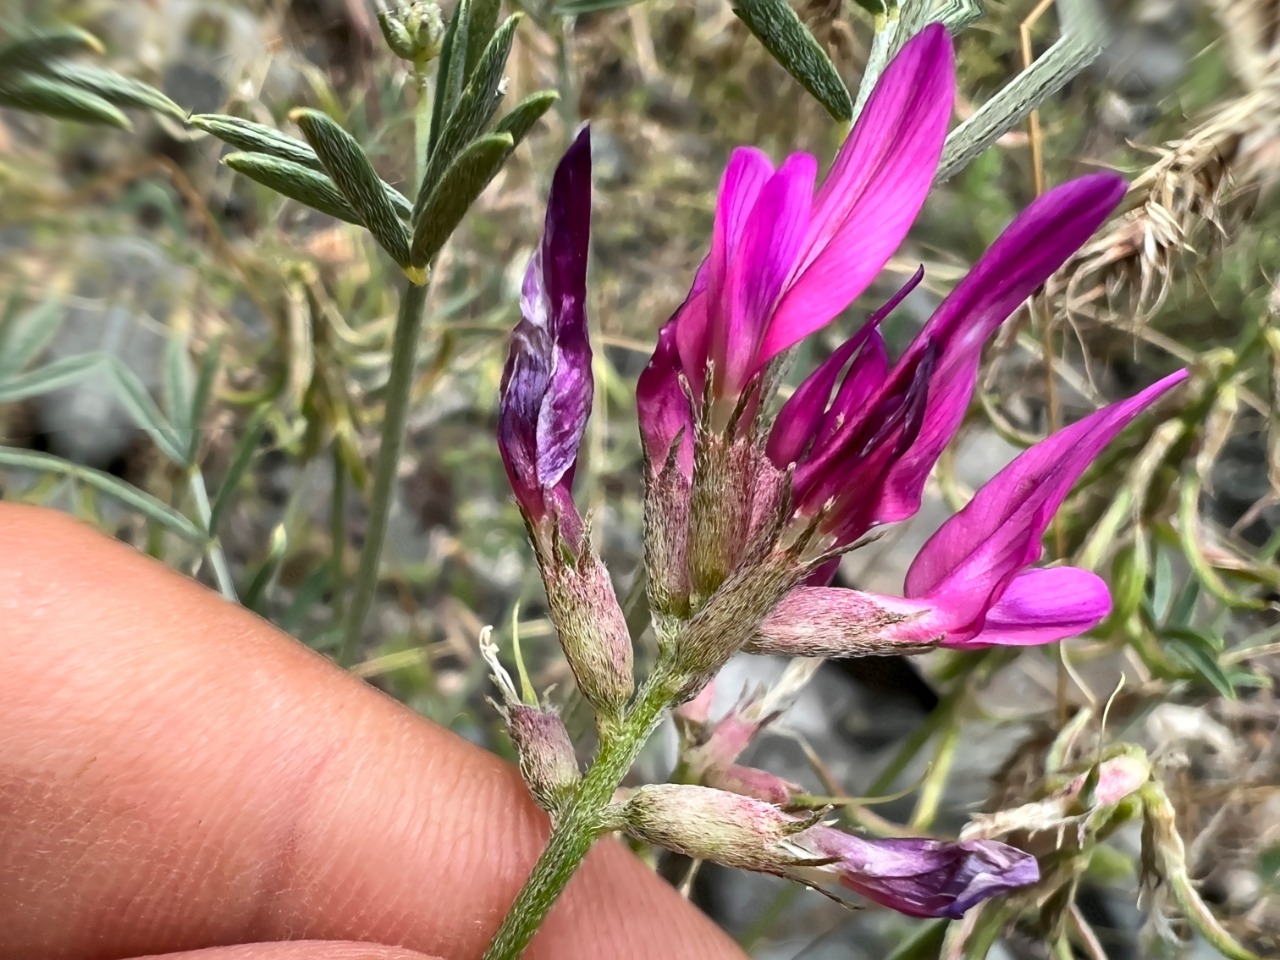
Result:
pixel 404 349
pixel 578 825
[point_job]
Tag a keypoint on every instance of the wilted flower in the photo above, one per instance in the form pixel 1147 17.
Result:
pixel 546 390
pixel 545 400
pixel 919 877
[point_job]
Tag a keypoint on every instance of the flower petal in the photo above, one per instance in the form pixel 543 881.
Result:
pixel 1021 260
pixel 974 555
pixel 662 406
pixel 759 267
pixel 1042 606
pixel 873 191
pixel 748 171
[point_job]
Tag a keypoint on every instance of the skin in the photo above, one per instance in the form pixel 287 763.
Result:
pixel 177 777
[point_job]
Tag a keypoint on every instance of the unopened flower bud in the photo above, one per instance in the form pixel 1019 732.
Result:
pixel 413 33
pixel 546 756
pixel 547 759
pixel 919 877
pixel 592 627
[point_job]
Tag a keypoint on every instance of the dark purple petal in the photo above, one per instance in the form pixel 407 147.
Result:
pixel 923 877
pixel 1014 267
pixel 799 418
pixel 969 562
pixel 874 190
pixel 546 389
pixel 852 466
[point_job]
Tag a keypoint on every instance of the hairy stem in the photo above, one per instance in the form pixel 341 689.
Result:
pixel 579 823
pixel 404 349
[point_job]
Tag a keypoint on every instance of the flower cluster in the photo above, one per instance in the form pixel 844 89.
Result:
pixel 750 503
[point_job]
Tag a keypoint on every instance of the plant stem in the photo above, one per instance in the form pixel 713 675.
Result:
pixel 217 559
pixel 404 349
pixel 579 823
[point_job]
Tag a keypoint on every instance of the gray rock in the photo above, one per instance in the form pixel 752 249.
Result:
pixel 126 291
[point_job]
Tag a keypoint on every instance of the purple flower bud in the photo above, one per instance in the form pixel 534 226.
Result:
pixel 752 782
pixel 918 877
pixel 546 390
pixel 547 759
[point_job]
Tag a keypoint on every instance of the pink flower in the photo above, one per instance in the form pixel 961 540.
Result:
pixel 970 585
pixel 784 261
pixel 863 455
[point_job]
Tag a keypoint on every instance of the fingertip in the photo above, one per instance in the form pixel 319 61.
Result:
pixel 182 774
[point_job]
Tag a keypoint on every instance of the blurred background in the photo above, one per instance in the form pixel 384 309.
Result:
pixel 261 331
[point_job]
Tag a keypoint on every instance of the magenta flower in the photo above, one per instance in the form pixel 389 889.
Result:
pixel 784 261
pixel 969 586
pixel 864 455
pixel 546 390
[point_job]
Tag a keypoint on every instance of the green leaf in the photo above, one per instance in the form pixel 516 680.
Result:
pixel 778 27
pixel 257 138
pixel 1198 654
pixel 49 377
pixel 34 51
pixel 135 398
pixel 37 94
pixel 144 503
pixel 114 88
pixel 576 8
pixel 481 22
pixel 356 179
pixel 294 181
pixel 25 337
pixel 178 388
pixel 465 179
pixel 475 108
pixel 240 460
pixel 1184 606
pixel 525 114
pixel 451 71
pixel 200 398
